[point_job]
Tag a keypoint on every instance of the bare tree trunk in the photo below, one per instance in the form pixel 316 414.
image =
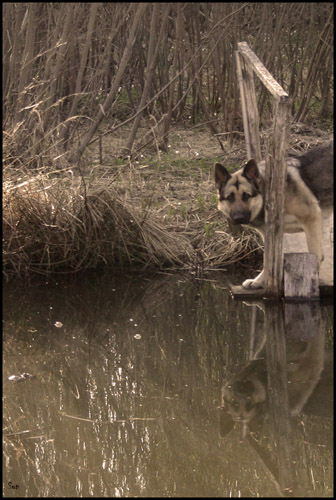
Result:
pixel 325 91
pixel 196 73
pixel 113 34
pixel 219 76
pixel 27 59
pixel 66 13
pixel 50 54
pixel 149 72
pixel 15 13
pixel 121 70
pixel 77 97
pixel 168 117
pixel 320 52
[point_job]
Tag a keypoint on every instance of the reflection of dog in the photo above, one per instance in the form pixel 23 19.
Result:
pixel 309 185
pixel 244 396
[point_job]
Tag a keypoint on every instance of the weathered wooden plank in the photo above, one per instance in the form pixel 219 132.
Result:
pixel 265 76
pixel 242 293
pixel 243 105
pixel 301 279
pixel 253 114
pixel 249 108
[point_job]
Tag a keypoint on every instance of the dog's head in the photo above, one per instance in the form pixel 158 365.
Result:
pixel 243 398
pixel 240 195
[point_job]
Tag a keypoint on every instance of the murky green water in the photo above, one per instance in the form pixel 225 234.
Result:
pixel 126 394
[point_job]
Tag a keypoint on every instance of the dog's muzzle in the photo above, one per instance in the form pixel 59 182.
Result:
pixel 240 217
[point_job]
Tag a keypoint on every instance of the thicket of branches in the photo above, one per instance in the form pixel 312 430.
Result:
pixel 75 70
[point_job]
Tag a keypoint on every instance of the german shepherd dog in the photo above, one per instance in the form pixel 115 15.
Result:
pixel 309 187
pixel 245 395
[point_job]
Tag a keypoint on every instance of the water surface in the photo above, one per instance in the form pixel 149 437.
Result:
pixel 126 394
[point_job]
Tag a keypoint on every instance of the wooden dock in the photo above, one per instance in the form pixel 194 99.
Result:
pixel 240 293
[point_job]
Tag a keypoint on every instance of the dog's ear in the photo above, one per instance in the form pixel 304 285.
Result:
pixel 251 171
pixel 252 174
pixel 221 174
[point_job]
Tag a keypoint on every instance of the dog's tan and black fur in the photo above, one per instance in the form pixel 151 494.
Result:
pixel 309 187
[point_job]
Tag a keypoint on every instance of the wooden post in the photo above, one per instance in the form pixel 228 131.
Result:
pixel 262 73
pixel 249 109
pixel 301 279
pixel 275 162
pixel 276 169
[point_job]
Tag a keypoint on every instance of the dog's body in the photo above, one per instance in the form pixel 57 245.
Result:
pixel 309 187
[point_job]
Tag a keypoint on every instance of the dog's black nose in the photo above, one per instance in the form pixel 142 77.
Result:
pixel 240 218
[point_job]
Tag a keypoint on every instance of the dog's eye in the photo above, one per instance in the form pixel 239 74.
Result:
pixel 246 196
pixel 249 406
pixel 231 197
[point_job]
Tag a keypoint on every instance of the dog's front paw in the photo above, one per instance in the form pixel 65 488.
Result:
pixel 258 282
pixel 252 284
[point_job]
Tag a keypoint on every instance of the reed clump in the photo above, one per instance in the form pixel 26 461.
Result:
pixel 68 223
pixel 157 214
pixel 58 225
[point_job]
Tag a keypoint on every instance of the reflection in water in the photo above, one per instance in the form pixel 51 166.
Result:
pixel 276 385
pixel 125 394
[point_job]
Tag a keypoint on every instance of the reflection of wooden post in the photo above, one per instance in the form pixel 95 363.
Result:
pixel 278 392
pixel 294 358
pixel 302 320
pixel 276 163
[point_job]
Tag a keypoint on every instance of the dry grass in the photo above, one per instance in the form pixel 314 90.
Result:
pixel 156 212
pixel 55 226
pixel 66 223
